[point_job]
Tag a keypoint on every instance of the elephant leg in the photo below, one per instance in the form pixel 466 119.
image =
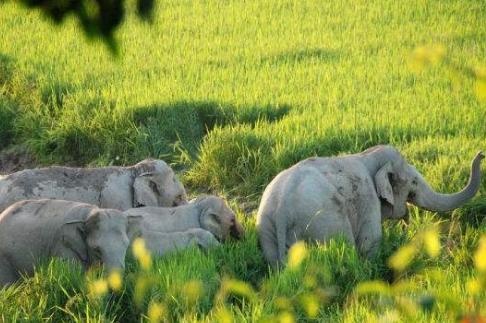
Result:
pixel 269 246
pixel 8 275
pixel 369 236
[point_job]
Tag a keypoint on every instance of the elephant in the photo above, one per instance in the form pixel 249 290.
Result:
pixel 208 212
pixel 322 197
pixel 35 230
pixel 151 182
pixel 162 243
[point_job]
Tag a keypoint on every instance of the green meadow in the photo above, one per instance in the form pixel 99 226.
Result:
pixel 230 93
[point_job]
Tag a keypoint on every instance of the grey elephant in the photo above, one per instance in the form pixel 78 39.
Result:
pixel 148 183
pixel 209 213
pixel 162 243
pixel 34 230
pixel 320 198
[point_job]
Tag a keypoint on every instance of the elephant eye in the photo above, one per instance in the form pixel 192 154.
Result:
pixel 216 219
pixel 154 187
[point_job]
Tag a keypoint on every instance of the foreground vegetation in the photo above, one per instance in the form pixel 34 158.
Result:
pixel 233 92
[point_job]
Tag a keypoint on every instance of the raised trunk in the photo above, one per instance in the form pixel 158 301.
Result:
pixel 428 199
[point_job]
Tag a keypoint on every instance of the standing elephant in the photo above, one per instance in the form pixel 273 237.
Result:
pixel 34 230
pixel 148 183
pixel 319 198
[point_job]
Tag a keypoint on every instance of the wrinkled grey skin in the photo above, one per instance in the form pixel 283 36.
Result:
pixel 34 230
pixel 148 183
pixel 209 213
pixel 161 243
pixel 320 198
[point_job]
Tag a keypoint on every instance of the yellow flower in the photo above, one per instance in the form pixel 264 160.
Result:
pixel 138 247
pixel 474 286
pixel 431 241
pixel 282 303
pixel 297 253
pixel 310 304
pixel 286 317
pixel 141 253
pixel 145 261
pixel 98 287
pixel 193 290
pixel 235 287
pixel 481 89
pixel 115 280
pixel 156 312
pixel 224 316
pixel 402 258
pixel 480 255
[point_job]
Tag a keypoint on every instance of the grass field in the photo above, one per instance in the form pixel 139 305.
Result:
pixel 232 92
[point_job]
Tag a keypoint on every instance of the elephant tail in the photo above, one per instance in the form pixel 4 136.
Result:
pixel 281 228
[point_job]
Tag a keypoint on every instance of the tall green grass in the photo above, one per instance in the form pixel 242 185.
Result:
pixel 231 93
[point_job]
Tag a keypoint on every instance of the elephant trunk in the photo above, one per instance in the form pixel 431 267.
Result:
pixel 428 199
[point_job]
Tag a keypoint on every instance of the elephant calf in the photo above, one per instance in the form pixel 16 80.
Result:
pixel 161 243
pixel 148 183
pixel 319 198
pixel 209 213
pixel 33 230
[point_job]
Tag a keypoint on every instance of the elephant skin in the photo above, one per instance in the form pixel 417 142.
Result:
pixel 35 230
pixel 322 197
pixel 148 183
pixel 162 243
pixel 209 213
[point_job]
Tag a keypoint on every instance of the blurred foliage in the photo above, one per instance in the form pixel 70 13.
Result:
pixel 98 18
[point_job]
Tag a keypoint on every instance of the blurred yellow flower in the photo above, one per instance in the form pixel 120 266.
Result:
pixel 145 261
pixel 423 55
pixel 431 242
pixel 297 253
pixel 310 304
pixel 481 89
pixel 480 255
pixel 286 317
pixel 235 287
pixel 156 312
pixel 224 316
pixel 373 287
pixel 98 287
pixel 402 258
pixel 141 253
pixel 115 280
pixel 282 303
pixel 138 247
pixel 473 286
pixel 193 290
pixel 310 280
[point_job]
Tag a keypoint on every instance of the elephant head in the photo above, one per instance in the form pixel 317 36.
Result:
pixel 398 182
pixel 102 238
pixel 218 218
pixel 155 184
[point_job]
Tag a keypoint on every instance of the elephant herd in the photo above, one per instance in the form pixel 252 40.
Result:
pixel 92 215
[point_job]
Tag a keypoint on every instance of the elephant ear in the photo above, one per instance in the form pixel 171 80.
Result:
pixel 211 221
pixel 74 238
pixel 383 185
pixel 145 191
pixel 134 228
